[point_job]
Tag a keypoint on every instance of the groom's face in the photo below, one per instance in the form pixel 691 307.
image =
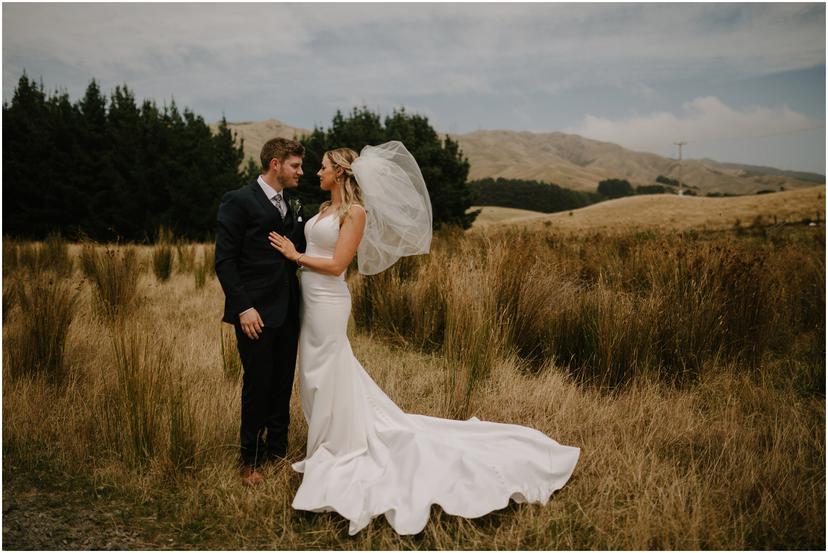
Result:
pixel 289 171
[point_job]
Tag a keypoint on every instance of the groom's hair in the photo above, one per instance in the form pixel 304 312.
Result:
pixel 280 148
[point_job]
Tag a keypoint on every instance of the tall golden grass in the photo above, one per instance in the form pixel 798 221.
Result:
pixel 689 370
pixel 113 272
pixel 163 254
pixel 607 308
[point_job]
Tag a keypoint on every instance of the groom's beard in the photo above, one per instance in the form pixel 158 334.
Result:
pixel 287 182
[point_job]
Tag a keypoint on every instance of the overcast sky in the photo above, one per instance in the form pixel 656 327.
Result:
pixel 739 82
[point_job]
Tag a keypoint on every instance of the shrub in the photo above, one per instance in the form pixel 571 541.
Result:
pixel 652 189
pixel 615 188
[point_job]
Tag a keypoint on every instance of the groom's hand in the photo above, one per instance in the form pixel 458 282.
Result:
pixel 251 324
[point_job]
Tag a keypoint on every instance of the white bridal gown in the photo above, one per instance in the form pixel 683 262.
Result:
pixel 366 457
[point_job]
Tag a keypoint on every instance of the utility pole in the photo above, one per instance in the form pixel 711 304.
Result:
pixel 680 144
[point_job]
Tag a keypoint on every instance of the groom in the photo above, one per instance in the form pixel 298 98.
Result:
pixel 262 299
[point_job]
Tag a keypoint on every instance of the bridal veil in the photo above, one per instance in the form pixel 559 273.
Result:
pixel 397 203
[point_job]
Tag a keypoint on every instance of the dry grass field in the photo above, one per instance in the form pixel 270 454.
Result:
pixel 688 367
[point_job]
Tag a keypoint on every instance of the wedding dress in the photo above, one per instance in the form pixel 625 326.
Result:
pixel 365 457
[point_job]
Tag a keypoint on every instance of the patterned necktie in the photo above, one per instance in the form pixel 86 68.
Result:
pixel 277 200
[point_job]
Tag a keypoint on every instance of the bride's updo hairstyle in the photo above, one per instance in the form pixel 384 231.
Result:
pixel 351 193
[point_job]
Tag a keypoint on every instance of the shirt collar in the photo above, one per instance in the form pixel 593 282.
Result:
pixel 269 192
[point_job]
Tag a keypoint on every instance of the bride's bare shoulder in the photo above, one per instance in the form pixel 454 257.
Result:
pixel 355 216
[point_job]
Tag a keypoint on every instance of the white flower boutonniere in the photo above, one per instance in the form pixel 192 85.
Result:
pixel 296 205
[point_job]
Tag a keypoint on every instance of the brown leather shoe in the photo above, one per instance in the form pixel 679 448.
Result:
pixel 250 476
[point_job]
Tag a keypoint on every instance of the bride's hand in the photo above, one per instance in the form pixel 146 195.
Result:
pixel 284 245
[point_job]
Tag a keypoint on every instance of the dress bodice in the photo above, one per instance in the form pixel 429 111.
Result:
pixel 321 234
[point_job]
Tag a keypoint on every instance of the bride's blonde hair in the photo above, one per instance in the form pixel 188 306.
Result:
pixel 349 188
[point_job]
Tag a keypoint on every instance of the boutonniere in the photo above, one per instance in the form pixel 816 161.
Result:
pixel 296 205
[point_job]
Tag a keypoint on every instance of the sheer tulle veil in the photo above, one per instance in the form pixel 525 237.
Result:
pixel 397 205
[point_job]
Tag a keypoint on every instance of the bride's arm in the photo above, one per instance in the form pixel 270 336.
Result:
pixel 346 246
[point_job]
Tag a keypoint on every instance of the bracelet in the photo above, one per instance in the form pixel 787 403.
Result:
pixel 298 258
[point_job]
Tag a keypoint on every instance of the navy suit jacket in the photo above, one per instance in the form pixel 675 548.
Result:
pixel 253 273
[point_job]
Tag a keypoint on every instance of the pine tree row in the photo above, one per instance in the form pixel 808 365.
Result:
pixel 109 169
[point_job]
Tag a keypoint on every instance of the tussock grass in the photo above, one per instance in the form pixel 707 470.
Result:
pixel 11 290
pixel 36 257
pixel 147 411
pixel 54 255
pixel 210 258
pixel 11 256
pixel 186 255
pixel 113 272
pixel 37 340
pixel 230 361
pixel 162 255
pixel 609 308
pixel 133 413
pixel 202 267
pixel 722 451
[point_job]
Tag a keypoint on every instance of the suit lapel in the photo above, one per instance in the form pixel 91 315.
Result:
pixel 261 197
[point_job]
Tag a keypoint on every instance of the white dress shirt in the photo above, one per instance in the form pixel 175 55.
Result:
pixel 271 193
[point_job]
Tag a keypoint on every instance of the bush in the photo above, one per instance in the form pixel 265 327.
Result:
pixel 652 189
pixel 615 188
pixel 667 180
pixel 529 194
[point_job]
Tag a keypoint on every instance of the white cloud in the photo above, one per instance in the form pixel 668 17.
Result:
pixel 702 120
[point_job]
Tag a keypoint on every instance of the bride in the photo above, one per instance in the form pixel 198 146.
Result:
pixel 365 457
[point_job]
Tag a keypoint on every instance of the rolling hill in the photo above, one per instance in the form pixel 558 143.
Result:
pixel 671 212
pixel 573 161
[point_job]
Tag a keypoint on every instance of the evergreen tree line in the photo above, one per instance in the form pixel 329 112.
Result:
pixel 110 169
pixel 530 194
pixel 105 168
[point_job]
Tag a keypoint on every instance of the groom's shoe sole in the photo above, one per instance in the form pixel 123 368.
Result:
pixel 251 477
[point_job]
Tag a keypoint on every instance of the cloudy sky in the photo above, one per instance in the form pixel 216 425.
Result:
pixel 739 82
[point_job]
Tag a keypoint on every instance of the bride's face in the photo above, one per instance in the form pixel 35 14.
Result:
pixel 327 174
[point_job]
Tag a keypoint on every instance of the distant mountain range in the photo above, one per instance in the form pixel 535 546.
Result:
pixel 575 162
